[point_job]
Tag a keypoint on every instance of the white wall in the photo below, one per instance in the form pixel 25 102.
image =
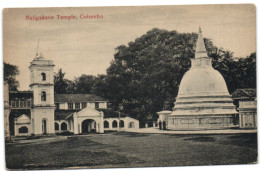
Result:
pixel 102 105
pixel 63 106
pixel 38 115
pixel 127 121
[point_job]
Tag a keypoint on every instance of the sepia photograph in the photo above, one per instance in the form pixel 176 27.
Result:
pixel 129 86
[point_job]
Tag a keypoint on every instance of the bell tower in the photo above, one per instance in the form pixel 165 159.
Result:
pixel 42 85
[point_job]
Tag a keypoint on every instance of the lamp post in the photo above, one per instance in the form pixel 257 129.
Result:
pixel 120 107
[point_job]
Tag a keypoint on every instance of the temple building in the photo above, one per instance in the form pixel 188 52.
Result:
pixel 203 100
pixel 42 112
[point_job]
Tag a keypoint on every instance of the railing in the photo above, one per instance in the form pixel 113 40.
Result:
pixel 21 104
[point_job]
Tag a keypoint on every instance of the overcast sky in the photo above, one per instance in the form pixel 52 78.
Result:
pixel 87 46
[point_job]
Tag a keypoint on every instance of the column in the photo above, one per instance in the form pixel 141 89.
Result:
pixel 15 128
pixel 75 125
pixel 101 125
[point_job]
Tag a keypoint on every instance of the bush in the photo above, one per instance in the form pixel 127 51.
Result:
pixel 65 133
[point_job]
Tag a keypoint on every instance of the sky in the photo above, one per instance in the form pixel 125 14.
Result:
pixel 87 46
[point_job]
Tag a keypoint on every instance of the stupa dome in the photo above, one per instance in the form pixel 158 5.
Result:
pixel 202 81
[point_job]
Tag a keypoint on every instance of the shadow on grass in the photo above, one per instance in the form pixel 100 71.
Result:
pixel 186 135
pixel 244 140
pixel 90 159
pixel 202 139
pixel 131 134
pixel 76 151
pixel 127 134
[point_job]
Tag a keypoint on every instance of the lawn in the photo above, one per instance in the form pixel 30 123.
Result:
pixel 133 150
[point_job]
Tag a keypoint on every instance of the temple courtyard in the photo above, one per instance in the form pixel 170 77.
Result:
pixel 126 149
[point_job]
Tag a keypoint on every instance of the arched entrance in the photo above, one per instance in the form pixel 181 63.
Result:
pixel 88 125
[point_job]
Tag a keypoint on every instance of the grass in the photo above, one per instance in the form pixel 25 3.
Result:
pixel 134 150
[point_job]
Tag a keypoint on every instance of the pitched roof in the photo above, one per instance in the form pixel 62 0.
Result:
pixel 15 113
pixel 108 113
pixel 62 114
pixel 88 112
pixel 245 93
pixel 75 98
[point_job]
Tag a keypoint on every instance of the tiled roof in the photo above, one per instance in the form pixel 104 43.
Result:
pixel 76 98
pixel 108 113
pixel 62 114
pixel 244 93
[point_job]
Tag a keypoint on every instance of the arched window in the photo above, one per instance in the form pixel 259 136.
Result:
pixel 56 126
pixel 131 125
pixel 43 96
pixel 63 126
pixel 43 76
pixel 23 129
pixel 106 124
pixel 122 124
pixel 114 124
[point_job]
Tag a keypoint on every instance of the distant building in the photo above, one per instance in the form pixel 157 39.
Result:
pixel 41 112
pixel 245 100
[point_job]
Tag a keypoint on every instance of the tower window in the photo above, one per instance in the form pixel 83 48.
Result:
pixel 43 96
pixel 43 76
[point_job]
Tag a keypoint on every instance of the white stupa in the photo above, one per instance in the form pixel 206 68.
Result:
pixel 203 100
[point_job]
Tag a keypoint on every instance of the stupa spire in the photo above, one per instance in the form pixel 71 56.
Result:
pixel 200 46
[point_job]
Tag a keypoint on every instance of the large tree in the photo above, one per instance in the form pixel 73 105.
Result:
pixel 84 84
pixel 63 85
pixel 10 72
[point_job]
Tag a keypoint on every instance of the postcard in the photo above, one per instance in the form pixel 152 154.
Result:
pixel 130 86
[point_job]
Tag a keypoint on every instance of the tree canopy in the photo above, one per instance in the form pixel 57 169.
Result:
pixel 10 72
pixel 62 85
